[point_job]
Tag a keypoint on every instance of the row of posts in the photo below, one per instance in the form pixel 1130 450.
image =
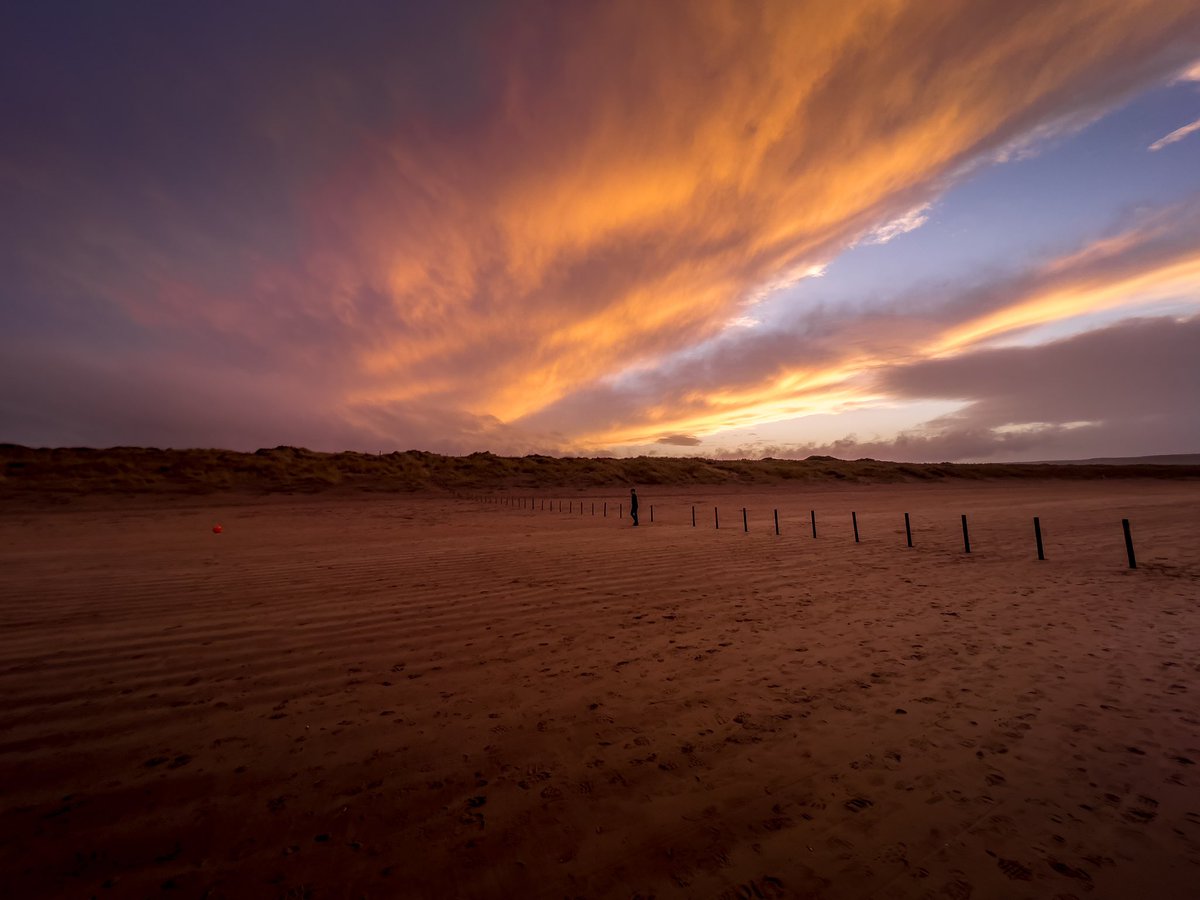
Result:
pixel 966 535
pixel 535 503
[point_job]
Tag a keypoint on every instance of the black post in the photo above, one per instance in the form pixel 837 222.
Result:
pixel 620 510
pixel 652 513
pixel 1037 536
pixel 716 519
pixel 966 537
pixel 907 530
pixel 777 521
pixel 606 509
pixel 813 514
pixel 693 516
pixel 745 525
pixel 854 519
pixel 543 504
pixel 1129 544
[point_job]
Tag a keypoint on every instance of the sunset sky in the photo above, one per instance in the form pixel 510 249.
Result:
pixel 901 229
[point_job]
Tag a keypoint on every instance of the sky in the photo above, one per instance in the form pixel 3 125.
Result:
pixel 966 230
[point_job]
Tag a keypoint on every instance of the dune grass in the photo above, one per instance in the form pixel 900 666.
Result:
pixel 79 470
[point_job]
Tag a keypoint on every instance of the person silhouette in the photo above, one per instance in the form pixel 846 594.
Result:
pixel 633 505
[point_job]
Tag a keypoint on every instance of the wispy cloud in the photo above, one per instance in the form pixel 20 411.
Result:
pixel 1190 72
pixel 744 322
pixel 910 221
pixel 1177 135
pixel 679 440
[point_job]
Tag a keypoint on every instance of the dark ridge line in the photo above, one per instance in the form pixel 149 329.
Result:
pixel 78 471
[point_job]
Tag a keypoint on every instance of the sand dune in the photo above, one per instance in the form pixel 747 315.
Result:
pixel 426 697
pixel 65 474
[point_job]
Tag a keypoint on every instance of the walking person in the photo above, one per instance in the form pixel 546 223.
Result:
pixel 633 505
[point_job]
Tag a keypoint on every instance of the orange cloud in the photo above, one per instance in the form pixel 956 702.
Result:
pixel 632 187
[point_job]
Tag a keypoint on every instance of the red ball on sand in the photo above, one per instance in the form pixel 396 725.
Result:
pixel 217 529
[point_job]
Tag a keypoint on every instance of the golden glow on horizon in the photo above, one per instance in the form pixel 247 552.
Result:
pixel 791 394
pixel 843 385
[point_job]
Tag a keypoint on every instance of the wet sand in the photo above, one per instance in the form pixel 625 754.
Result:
pixel 393 696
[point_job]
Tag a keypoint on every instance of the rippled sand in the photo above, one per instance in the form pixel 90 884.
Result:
pixel 427 697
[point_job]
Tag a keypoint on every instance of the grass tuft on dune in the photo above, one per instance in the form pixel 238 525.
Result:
pixel 82 470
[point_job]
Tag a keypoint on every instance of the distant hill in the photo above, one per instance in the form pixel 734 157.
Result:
pixel 138 470
pixel 1170 459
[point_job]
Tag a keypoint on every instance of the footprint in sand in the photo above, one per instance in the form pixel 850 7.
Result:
pixel 766 887
pixel 1143 812
pixel 895 854
pixel 1015 870
pixel 958 889
pixel 1068 871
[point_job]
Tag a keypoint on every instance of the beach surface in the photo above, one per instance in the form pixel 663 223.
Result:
pixel 390 695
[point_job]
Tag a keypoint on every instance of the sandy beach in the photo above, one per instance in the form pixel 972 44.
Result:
pixel 386 695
